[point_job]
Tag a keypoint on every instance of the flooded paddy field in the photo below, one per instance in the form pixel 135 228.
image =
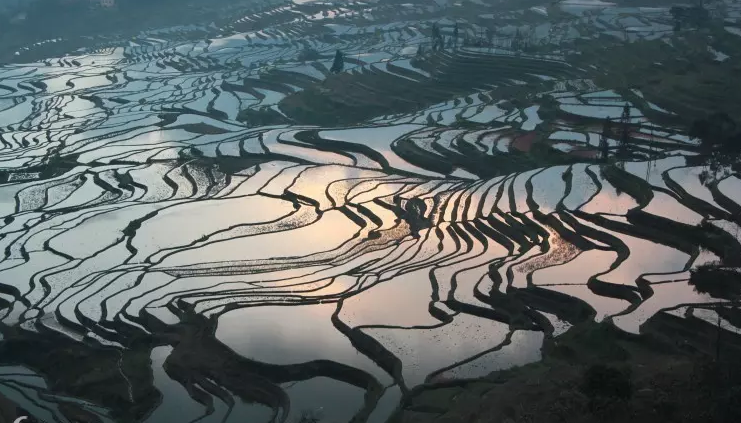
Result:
pixel 202 222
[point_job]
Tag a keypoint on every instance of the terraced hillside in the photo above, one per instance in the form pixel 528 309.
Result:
pixel 203 223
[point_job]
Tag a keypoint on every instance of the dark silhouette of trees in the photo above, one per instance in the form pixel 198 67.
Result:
pixel 604 146
pixel 677 25
pixel 696 16
pixel 606 383
pixel 413 212
pixel 455 35
pixel 309 416
pixel 624 132
pixel 339 63
pixel 308 54
pixel 437 39
pixel 717 132
pixel 717 281
pixel 678 15
pixel 720 141
pixel 517 40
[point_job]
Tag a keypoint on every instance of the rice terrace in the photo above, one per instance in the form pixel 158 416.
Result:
pixel 370 211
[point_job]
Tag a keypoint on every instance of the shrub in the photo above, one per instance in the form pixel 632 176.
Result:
pixel 716 281
pixel 607 382
pixel 308 416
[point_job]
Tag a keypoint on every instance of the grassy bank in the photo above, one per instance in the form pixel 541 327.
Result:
pixel 593 373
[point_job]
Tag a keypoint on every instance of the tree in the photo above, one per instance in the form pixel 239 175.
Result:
pixel 679 15
pixel 605 381
pixel 339 63
pixel 696 15
pixel 717 280
pixel 624 132
pixel 624 140
pixel 437 38
pixel 309 416
pixel 413 212
pixel 720 141
pixel 625 125
pixel 455 35
pixel 604 145
pixel 308 54
pixel 716 132
pixel 516 39
pixel 677 26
